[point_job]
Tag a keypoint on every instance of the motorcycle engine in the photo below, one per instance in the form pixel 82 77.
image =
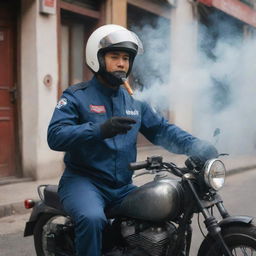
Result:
pixel 154 240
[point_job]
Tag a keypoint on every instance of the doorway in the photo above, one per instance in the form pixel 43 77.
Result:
pixel 7 92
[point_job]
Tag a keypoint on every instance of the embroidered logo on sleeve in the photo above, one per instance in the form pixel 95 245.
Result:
pixel 98 109
pixel 132 112
pixel 62 102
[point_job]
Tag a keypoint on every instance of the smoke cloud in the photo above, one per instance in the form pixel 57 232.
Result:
pixel 152 70
pixel 221 83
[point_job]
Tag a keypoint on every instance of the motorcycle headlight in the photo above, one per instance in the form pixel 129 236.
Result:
pixel 214 174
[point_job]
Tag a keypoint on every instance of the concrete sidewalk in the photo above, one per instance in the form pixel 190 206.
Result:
pixel 13 195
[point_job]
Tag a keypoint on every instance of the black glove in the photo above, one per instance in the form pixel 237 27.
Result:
pixel 204 150
pixel 200 152
pixel 116 125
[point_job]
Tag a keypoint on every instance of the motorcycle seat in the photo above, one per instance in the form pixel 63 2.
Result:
pixel 51 198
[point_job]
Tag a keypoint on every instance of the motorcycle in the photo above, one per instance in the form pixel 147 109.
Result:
pixel 155 219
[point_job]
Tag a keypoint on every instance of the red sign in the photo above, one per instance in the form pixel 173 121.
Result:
pixel 49 3
pixel 234 8
pixel 48 6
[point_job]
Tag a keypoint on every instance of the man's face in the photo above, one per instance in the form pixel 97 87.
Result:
pixel 117 61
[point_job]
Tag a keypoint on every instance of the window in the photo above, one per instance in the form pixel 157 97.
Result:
pixel 74 31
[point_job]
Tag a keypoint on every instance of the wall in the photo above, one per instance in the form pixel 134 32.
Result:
pixel 183 58
pixel 38 58
pixel 116 12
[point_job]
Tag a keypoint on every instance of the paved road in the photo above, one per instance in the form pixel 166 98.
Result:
pixel 12 242
pixel 239 197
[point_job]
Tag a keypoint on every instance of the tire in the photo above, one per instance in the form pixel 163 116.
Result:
pixel 240 238
pixel 38 233
pixel 42 227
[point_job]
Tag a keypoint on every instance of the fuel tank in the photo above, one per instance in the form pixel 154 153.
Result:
pixel 157 200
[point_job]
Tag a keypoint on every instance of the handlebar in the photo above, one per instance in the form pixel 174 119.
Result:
pixel 155 163
pixel 138 165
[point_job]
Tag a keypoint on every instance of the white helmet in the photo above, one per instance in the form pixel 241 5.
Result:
pixel 107 38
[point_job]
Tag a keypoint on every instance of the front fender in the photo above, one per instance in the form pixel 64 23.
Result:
pixel 236 219
pixel 229 221
pixel 39 209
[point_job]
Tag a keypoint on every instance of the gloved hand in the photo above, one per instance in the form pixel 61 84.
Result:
pixel 201 152
pixel 116 125
pixel 204 150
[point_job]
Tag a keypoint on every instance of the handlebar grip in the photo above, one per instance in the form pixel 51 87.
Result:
pixel 138 165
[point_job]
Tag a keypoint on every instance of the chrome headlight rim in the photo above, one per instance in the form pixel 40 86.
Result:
pixel 209 174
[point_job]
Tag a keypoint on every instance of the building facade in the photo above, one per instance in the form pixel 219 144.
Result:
pixel 42 52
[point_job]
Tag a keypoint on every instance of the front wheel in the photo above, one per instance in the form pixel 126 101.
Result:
pixel 241 240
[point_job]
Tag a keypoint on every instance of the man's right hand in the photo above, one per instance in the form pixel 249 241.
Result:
pixel 116 125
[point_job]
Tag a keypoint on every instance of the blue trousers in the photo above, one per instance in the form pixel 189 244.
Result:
pixel 85 200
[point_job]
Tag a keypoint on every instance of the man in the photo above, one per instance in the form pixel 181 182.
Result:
pixel 96 123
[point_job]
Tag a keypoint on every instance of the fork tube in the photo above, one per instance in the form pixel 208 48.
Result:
pixel 204 211
pixel 223 212
pixel 210 221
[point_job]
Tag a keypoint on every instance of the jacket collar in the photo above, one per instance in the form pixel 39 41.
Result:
pixel 104 89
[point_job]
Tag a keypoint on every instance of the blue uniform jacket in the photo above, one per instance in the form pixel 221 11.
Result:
pixel 75 129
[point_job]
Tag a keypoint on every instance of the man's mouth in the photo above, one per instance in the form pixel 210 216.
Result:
pixel 119 74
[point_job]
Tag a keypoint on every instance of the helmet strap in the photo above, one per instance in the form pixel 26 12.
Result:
pixel 114 79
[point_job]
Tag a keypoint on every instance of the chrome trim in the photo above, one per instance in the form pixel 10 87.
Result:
pixel 207 173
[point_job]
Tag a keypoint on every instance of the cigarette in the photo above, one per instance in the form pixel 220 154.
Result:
pixel 127 86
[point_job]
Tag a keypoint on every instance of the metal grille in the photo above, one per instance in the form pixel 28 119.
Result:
pixel 133 240
pixel 152 241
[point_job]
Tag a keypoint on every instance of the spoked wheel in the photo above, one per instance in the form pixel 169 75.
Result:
pixel 47 235
pixel 240 239
pixel 243 251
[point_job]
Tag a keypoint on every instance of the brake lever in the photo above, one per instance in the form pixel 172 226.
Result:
pixel 143 173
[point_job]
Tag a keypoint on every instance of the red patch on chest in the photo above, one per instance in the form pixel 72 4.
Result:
pixel 97 109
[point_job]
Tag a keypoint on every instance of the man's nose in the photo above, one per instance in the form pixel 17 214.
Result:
pixel 120 63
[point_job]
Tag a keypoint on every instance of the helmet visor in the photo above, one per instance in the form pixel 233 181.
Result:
pixel 119 37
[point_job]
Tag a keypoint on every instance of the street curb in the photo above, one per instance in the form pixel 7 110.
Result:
pixel 13 209
pixel 18 208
